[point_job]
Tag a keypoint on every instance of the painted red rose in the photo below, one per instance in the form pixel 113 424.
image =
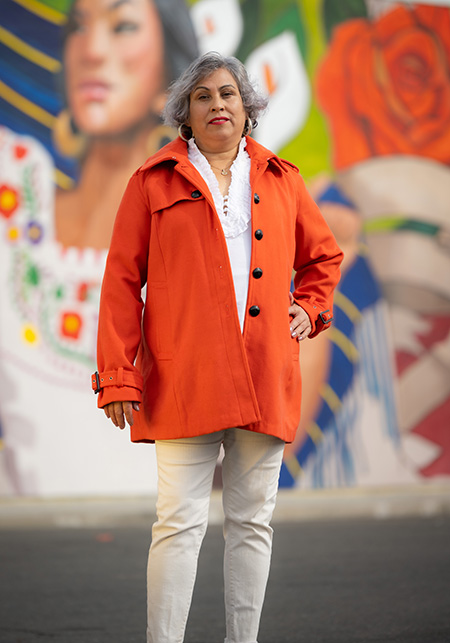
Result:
pixel 385 86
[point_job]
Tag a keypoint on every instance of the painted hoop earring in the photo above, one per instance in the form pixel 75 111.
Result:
pixel 66 139
pixel 181 135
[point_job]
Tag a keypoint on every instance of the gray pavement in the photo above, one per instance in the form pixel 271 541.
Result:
pixel 377 575
pixel 292 505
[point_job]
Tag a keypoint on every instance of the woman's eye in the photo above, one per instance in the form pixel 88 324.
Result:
pixel 74 26
pixel 126 26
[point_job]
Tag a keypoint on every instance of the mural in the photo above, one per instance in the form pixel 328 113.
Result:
pixel 359 99
pixel 81 88
pixel 389 125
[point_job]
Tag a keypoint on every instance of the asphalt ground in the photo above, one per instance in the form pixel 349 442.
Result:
pixel 351 580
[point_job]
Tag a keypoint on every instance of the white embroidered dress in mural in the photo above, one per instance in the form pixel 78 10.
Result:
pixel 53 292
pixel 54 437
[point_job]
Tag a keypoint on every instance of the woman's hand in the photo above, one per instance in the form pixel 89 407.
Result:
pixel 300 323
pixel 118 412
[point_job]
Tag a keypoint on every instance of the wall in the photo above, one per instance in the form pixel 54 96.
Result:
pixel 359 99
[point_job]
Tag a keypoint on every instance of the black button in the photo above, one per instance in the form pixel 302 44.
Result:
pixel 254 311
pixel 256 198
pixel 259 234
pixel 257 273
pixel 196 194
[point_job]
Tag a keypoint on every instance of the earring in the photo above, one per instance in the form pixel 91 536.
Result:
pixel 180 132
pixel 248 127
pixel 66 139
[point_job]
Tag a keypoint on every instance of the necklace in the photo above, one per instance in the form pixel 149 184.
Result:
pixel 223 171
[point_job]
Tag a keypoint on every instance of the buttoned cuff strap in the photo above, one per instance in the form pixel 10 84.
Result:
pixel 326 317
pixel 116 378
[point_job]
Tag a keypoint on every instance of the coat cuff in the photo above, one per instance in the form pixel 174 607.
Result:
pixel 119 378
pixel 320 319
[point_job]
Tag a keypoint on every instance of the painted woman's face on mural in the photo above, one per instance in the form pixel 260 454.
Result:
pixel 114 64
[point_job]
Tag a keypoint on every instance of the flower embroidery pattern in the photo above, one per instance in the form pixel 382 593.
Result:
pixel 30 334
pixel 54 292
pixel 9 201
pixel 34 232
pixel 71 324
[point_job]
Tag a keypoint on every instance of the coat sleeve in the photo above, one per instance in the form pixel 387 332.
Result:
pixel 317 261
pixel 121 304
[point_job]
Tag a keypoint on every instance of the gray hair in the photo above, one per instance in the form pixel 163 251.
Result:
pixel 176 111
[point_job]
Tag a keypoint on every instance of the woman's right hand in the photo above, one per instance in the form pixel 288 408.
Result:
pixel 118 412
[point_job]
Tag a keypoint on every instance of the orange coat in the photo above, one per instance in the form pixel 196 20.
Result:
pixel 182 353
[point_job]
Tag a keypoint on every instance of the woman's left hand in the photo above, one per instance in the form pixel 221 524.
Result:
pixel 300 323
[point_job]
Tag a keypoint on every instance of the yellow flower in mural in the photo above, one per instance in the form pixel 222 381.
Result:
pixel 30 334
pixel 13 234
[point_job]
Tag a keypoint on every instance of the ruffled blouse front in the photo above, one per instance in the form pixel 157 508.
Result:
pixel 234 209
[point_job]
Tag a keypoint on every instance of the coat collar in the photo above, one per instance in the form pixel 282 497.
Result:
pixel 177 152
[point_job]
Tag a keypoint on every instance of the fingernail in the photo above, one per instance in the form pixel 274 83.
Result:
pixel 293 334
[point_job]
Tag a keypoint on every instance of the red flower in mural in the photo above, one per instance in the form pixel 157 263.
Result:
pixel 9 200
pixel 385 86
pixel 71 324
pixel 82 291
pixel 20 151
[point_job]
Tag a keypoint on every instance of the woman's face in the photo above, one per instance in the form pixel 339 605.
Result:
pixel 114 64
pixel 216 113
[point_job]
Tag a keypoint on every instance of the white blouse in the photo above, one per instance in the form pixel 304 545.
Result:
pixel 234 212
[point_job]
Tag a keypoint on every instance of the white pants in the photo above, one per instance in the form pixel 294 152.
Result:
pixel 250 472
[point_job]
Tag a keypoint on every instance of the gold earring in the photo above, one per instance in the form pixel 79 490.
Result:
pixel 180 133
pixel 66 140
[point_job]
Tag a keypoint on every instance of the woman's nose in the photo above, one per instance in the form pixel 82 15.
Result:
pixel 96 45
pixel 217 104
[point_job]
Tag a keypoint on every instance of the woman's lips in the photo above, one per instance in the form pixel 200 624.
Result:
pixel 93 90
pixel 218 121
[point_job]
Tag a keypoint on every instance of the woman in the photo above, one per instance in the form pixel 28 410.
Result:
pixel 213 224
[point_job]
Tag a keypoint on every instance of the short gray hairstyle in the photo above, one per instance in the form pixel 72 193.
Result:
pixel 176 111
